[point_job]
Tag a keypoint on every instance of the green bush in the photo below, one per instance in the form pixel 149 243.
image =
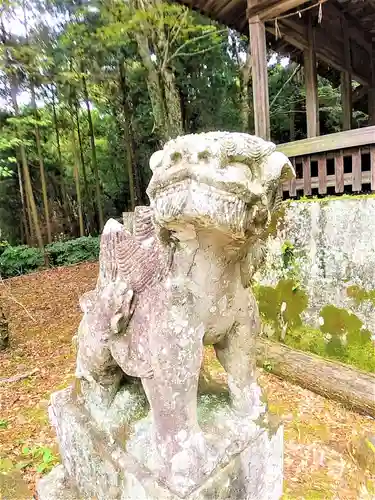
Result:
pixel 63 253
pixel 20 260
pixel 15 261
pixel 3 246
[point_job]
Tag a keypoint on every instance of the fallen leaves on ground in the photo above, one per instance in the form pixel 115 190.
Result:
pixel 44 314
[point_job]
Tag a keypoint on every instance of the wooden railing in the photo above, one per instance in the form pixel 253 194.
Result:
pixel 332 164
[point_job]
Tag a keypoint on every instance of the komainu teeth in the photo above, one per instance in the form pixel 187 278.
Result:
pixel 209 204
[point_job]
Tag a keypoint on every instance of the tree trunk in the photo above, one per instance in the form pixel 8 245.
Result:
pixel 93 153
pixel 77 183
pixel 41 167
pixel 245 76
pixel 83 164
pixel 26 172
pixel 154 87
pixel 128 142
pixel 26 232
pixel 245 95
pixel 172 104
pixel 13 83
pixel 292 123
pixel 351 387
pixel 4 330
pixel 30 219
pixel 64 196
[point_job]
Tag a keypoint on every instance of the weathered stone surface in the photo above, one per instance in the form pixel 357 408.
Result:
pixel 333 250
pixel 178 281
pixel 57 486
pixel 121 467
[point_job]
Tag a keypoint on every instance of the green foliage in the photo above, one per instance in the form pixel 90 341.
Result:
pixel 82 249
pixel 73 45
pixel 267 365
pixel 40 457
pixel 3 423
pixel 287 251
pixel 22 259
pixel 3 246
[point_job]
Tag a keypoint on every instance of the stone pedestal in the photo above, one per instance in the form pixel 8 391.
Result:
pixel 113 465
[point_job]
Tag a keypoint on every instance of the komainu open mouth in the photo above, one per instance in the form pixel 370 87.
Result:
pixel 206 205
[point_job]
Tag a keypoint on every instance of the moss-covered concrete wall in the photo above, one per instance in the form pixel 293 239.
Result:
pixel 327 247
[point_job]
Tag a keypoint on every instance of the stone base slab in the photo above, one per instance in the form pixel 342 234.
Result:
pixel 96 466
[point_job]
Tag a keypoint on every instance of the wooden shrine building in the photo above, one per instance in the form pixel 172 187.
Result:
pixel 332 37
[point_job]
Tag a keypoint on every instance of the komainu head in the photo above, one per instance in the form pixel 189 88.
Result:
pixel 218 180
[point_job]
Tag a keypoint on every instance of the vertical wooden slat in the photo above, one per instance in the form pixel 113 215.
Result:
pixel 372 160
pixel 339 172
pixel 322 174
pixel 357 170
pixel 293 182
pixel 306 167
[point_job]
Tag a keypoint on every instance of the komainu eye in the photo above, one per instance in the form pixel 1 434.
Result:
pixel 176 156
pixel 204 155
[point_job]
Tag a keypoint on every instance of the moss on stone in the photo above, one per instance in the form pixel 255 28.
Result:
pixel 360 295
pixel 281 305
pixel 176 156
pixel 341 335
pixel 326 199
pixel 210 404
pixel 204 155
pixel 307 338
pixel 277 221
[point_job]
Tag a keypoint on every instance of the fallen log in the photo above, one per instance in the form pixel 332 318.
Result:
pixel 353 388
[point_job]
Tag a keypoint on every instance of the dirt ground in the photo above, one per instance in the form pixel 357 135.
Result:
pixel 44 314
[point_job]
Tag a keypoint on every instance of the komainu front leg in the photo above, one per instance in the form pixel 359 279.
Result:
pixel 181 448
pixel 237 355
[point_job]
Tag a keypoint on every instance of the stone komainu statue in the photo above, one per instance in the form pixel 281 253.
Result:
pixel 179 281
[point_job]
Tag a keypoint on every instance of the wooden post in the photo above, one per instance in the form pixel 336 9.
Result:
pixel 371 93
pixel 372 160
pixel 346 100
pixel 346 79
pixel 311 82
pixel 258 51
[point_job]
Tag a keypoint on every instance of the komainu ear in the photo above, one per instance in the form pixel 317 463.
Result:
pixel 155 160
pixel 277 168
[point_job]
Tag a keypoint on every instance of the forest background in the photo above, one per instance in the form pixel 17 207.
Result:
pixel 90 89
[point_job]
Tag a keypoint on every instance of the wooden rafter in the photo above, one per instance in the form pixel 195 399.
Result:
pixel 328 35
pixel 267 9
